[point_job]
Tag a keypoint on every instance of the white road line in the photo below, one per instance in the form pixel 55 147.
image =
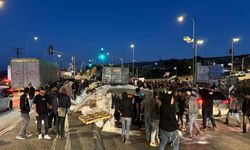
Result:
pixel 68 144
pixel 10 127
pixel 54 144
pixel 234 129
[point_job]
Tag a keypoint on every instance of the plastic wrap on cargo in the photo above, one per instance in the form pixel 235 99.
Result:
pixel 72 107
pixel 79 99
pixel 99 124
pixel 86 110
pixel 103 103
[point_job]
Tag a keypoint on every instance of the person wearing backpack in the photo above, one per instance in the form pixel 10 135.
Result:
pixel 60 105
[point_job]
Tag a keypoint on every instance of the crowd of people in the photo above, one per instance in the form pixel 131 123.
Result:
pixel 165 110
pixel 49 106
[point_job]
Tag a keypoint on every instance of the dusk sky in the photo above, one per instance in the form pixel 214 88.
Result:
pixel 82 27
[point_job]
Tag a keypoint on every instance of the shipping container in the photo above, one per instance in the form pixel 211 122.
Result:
pixel 34 71
pixel 115 75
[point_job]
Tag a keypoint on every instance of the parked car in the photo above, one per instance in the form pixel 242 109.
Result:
pixel 218 98
pixel 5 102
pixel 220 101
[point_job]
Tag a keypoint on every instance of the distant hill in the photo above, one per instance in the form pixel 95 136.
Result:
pixel 156 69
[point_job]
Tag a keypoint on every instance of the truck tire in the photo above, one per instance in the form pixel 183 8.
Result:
pixel 10 105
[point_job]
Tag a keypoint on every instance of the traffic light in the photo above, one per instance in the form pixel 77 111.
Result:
pixel 50 49
pixel 90 65
pixel 102 56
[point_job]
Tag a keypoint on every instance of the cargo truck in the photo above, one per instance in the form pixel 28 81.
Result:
pixel 115 75
pixel 32 70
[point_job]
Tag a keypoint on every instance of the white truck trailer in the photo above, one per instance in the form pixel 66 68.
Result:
pixel 34 71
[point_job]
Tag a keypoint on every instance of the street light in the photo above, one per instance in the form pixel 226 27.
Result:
pixel 189 67
pixel 35 38
pixel 234 40
pixel 180 18
pixel 1 3
pixel 133 69
pixel 113 56
pixel 192 40
pixel 175 68
pixel 198 42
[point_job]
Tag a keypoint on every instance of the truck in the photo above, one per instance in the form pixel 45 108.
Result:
pixel 115 75
pixel 32 70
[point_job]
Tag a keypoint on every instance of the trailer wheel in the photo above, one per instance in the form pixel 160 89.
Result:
pixel 10 105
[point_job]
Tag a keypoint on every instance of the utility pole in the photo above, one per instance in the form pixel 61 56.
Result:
pixel 17 51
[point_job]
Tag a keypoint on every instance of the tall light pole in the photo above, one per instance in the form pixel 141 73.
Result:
pixel 234 40
pixel 198 42
pixel 112 56
pixel 181 19
pixel 133 69
pixel 35 38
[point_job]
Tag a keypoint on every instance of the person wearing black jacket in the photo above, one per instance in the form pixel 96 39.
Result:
pixel 51 95
pixel 207 107
pixel 61 100
pixel 246 112
pixel 137 99
pixel 25 109
pixel 31 94
pixel 41 104
pixel 168 123
pixel 127 113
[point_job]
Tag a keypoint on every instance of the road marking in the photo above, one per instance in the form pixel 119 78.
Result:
pixel 234 129
pixel 54 144
pixel 10 127
pixel 68 144
pixel 197 142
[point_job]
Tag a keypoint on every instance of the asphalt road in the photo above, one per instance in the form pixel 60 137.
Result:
pixel 227 137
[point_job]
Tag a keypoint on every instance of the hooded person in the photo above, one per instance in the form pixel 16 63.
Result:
pixel 31 94
pixel 207 108
pixel 168 123
pixel 60 105
pixel 233 108
pixel 193 112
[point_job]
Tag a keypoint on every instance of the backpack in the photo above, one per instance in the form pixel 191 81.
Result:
pixel 61 111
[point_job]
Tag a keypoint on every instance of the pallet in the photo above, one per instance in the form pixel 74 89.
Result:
pixel 95 117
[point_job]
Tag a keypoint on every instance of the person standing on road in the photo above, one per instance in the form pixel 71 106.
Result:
pixel 193 112
pixel 127 113
pixel 181 108
pixel 25 109
pixel 31 95
pixel 233 108
pixel 145 107
pixel 155 118
pixel 207 108
pixel 168 123
pixel 41 105
pixel 246 112
pixel 137 106
pixel 61 103
pixel 51 114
